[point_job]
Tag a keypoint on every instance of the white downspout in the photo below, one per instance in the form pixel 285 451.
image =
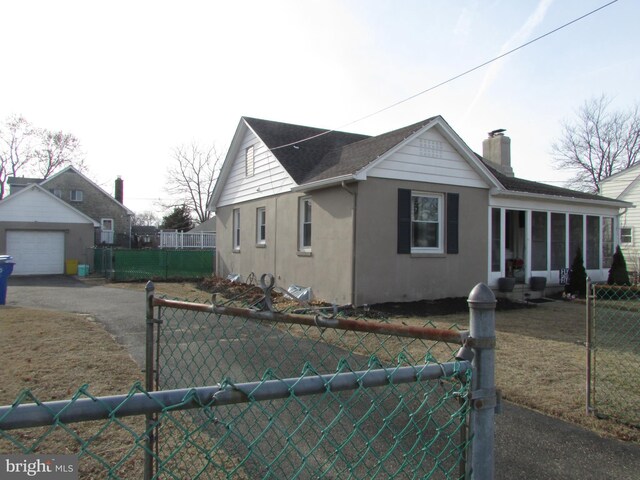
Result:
pixel 353 242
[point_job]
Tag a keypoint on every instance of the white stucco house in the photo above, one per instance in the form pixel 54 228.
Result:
pixel 406 215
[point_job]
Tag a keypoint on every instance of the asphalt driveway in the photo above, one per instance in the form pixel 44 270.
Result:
pixel 528 445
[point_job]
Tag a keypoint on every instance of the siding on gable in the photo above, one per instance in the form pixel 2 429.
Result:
pixel 269 177
pixel 429 158
pixel 631 218
pixel 615 185
pixel 37 206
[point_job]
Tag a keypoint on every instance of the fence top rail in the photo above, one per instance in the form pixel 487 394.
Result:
pixel 424 333
pixel 142 403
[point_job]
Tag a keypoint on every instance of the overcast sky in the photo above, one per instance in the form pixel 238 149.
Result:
pixel 135 79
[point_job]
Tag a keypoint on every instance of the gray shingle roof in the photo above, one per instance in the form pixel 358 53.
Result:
pixel 299 159
pixel 22 180
pixel 515 184
pixel 330 154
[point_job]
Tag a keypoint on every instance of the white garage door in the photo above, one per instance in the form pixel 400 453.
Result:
pixel 36 253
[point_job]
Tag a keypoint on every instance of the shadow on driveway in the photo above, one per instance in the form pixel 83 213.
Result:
pixel 69 281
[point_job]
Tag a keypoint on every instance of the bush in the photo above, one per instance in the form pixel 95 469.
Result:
pixel 577 276
pixel 618 274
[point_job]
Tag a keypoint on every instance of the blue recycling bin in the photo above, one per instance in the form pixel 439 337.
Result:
pixel 6 267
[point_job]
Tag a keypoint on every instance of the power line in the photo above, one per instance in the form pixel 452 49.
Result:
pixel 451 79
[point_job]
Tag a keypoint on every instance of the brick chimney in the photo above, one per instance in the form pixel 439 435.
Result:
pixel 119 194
pixel 497 150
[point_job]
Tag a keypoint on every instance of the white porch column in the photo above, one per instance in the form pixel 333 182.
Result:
pixel 527 245
pixel 503 242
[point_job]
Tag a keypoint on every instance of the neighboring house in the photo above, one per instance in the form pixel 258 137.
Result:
pixel 144 236
pixel 74 188
pixel 407 215
pixel 206 226
pixel 625 186
pixel 41 232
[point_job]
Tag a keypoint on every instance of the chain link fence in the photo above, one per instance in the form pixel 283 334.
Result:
pixel 391 431
pixel 243 389
pixel 613 358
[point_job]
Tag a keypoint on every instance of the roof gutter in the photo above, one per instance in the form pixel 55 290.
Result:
pixel 538 196
pixel 328 182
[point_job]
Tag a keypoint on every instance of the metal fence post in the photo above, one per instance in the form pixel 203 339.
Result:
pixel 482 330
pixel 588 345
pixel 149 384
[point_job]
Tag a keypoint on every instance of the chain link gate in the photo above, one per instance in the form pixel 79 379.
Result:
pixel 384 408
pixel 388 430
pixel 613 352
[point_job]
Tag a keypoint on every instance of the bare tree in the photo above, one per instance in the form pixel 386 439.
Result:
pixel 192 176
pixel 598 143
pixel 145 219
pixel 16 153
pixel 56 150
pixel 26 150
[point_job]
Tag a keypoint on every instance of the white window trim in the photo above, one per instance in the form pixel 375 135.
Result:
pixel 630 235
pixel 102 220
pixel 301 224
pixel 261 222
pixel 235 231
pixel 440 247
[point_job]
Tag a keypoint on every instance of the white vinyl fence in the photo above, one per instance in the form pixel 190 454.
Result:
pixel 180 240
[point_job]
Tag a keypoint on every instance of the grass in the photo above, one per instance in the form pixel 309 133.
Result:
pixel 52 354
pixel 540 357
pixel 540 365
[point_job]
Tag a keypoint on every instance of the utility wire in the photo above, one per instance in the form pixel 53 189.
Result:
pixel 449 80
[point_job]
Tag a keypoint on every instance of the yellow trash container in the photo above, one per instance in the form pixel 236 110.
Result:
pixel 71 267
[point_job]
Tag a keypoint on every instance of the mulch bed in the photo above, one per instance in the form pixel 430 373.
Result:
pixel 250 293
pixel 443 306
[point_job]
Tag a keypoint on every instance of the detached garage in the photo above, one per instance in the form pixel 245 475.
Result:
pixel 36 252
pixel 40 232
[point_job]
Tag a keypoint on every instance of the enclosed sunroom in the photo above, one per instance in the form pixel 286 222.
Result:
pixel 534 238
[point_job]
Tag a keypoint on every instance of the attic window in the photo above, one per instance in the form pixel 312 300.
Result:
pixel 56 191
pixel 75 195
pixel 249 162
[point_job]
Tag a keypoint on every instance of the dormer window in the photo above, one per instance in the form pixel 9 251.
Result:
pixel 249 162
pixel 75 195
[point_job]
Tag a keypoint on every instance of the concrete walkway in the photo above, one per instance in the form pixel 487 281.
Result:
pixel 528 445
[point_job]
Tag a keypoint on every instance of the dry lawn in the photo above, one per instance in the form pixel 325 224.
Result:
pixel 540 357
pixel 540 365
pixel 541 362
pixel 53 354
